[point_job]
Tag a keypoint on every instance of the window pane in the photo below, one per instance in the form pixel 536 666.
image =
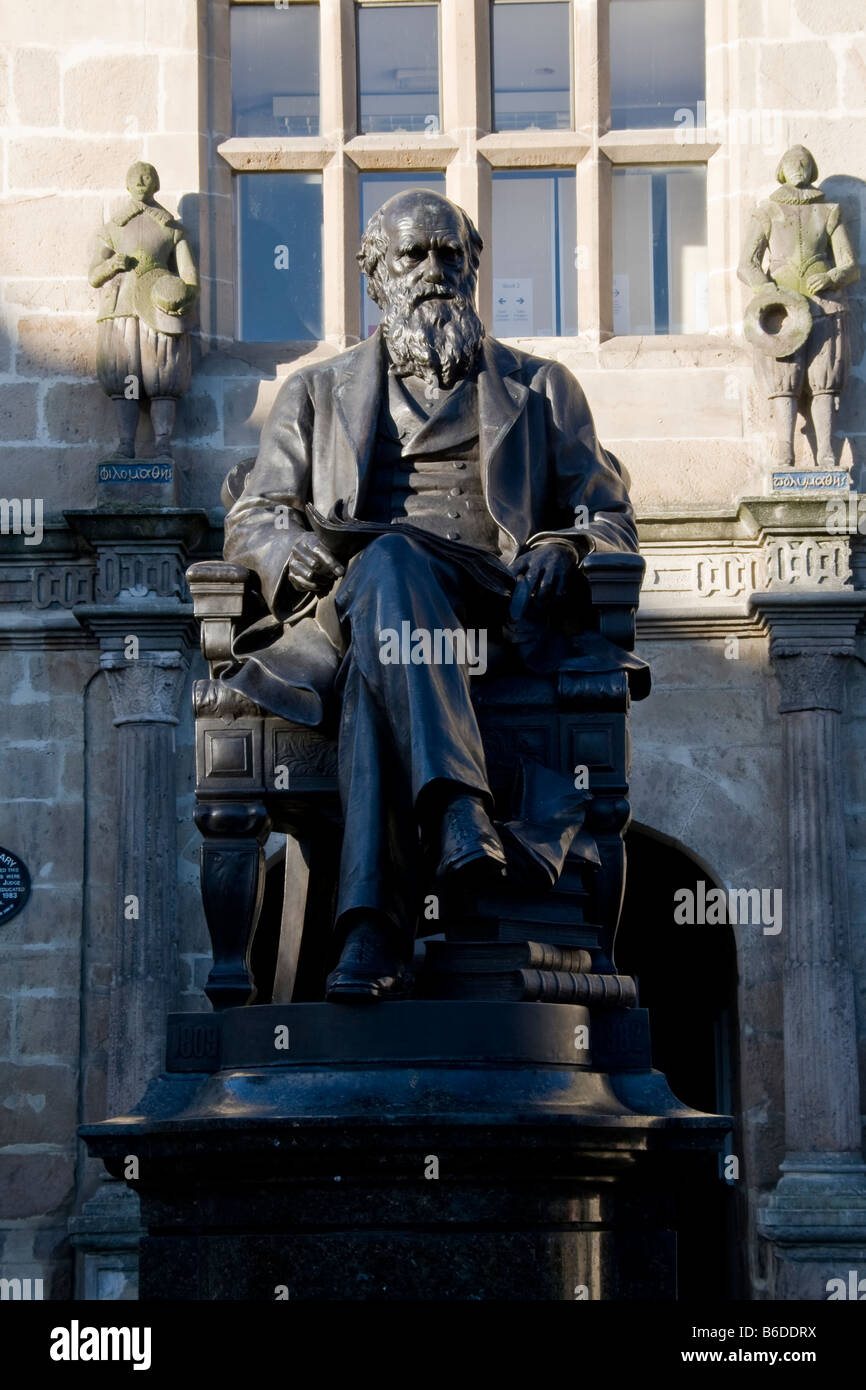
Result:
pixel 656 61
pixel 376 189
pixel 279 227
pixel 531 66
pixel 275 70
pixel 534 269
pixel 398 67
pixel 660 250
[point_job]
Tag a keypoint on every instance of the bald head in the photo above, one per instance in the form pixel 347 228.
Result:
pixel 419 233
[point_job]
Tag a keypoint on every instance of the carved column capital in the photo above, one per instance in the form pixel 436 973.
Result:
pixel 146 690
pixel 809 680
pixel 812 635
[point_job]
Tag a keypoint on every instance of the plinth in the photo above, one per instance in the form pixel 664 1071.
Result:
pixel 408 1150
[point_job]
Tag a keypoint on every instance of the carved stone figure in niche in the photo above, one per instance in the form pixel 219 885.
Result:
pixel 143 262
pixel 797 321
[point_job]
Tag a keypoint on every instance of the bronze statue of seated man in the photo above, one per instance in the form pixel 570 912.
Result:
pixel 412 497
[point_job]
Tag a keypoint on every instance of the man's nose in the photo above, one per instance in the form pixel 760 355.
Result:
pixel 433 267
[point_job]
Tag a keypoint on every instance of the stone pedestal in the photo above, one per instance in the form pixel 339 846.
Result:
pixel 144 624
pixel 816 1217
pixel 420 1150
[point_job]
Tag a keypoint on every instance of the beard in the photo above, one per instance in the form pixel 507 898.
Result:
pixel 434 338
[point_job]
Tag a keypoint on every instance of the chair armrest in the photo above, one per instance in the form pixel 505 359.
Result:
pixel 614 579
pixel 218 590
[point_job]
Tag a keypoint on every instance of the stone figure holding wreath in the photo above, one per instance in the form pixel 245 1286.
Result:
pixel 797 321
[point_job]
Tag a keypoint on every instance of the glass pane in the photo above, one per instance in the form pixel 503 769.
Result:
pixel 531 66
pixel 398 67
pixel 656 62
pixel 534 255
pixel 279 226
pixel 660 250
pixel 275 70
pixel 376 189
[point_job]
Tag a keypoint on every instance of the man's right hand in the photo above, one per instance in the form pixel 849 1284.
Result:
pixel 312 566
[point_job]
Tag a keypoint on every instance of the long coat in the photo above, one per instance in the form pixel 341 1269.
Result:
pixel 540 462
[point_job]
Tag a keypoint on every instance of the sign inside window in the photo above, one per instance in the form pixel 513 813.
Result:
pixel 512 307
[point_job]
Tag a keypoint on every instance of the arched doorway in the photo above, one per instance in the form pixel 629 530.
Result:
pixel 687 979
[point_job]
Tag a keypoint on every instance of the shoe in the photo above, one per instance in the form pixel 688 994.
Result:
pixel 215 699
pixel 369 968
pixel 470 846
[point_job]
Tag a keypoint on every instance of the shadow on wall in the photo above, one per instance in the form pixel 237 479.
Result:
pixel 850 420
pixel 687 979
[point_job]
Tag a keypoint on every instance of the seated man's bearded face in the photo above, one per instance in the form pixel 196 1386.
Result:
pixel 421 256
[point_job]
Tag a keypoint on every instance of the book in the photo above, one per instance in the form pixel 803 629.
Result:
pixel 480 956
pixel 541 986
pixel 345 536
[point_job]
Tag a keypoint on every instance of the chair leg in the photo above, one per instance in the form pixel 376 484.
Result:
pixel 292 918
pixel 610 891
pixel 232 886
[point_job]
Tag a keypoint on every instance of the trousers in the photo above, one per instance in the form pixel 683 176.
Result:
pixel 406 730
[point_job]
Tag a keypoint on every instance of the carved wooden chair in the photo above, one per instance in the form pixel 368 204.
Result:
pixel 255 775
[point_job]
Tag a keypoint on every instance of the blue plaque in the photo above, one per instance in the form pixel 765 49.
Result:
pixel 810 482
pixel 146 471
pixel 14 885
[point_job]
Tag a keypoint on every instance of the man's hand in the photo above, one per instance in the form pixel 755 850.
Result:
pixel 541 575
pixel 821 280
pixel 312 566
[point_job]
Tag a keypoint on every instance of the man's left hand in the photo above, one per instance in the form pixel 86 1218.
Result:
pixel 541 575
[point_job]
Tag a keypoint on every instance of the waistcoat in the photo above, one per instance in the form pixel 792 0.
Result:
pixel 426 466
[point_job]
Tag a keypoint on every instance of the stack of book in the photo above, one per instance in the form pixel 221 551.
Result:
pixel 513 970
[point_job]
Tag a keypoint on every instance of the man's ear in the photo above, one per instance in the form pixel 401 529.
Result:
pixel 374 290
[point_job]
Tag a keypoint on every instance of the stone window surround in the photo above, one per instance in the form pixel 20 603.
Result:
pixel 467 152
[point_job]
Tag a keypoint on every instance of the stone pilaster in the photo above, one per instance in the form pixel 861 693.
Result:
pixel 816 1216
pixel 145 628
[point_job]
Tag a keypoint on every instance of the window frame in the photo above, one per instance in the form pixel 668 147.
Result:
pixel 467 150
pixel 392 4
pixel 572 64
